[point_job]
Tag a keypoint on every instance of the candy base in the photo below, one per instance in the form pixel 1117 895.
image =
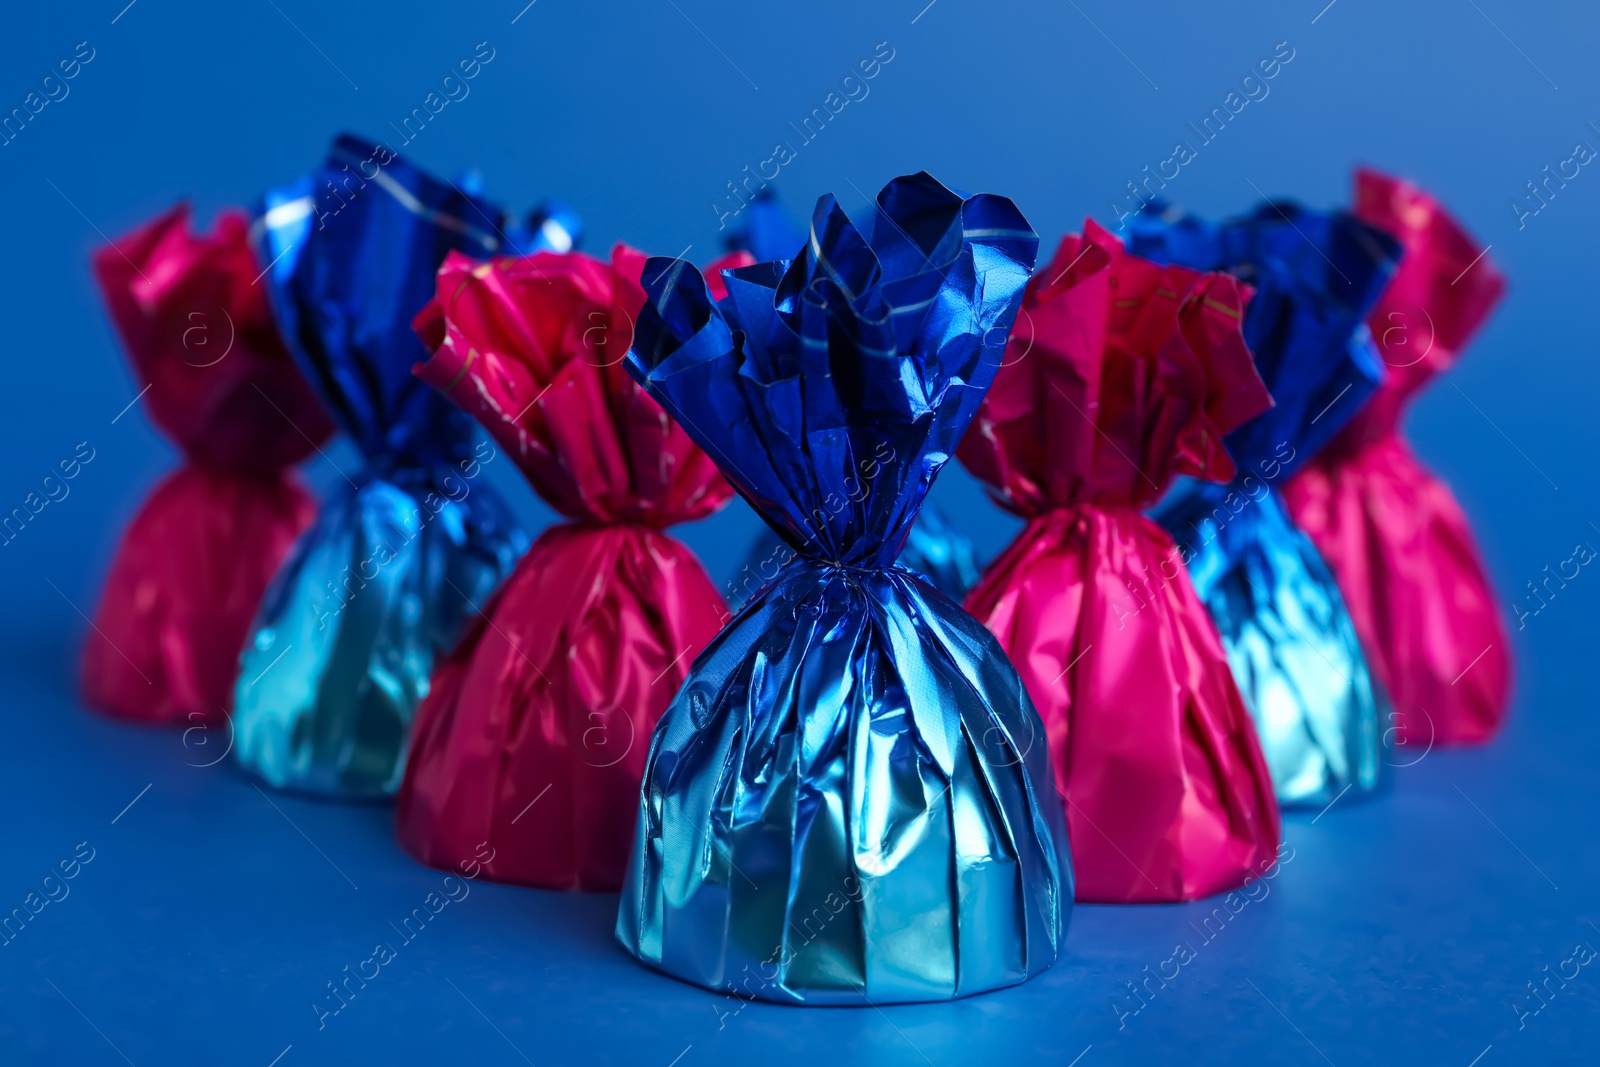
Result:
pixel 849 802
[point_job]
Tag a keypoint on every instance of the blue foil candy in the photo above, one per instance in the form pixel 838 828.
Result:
pixel 406 550
pixel 849 801
pixel 1322 716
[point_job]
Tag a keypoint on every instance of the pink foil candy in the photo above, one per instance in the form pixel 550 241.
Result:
pixel 1119 375
pixel 534 736
pixel 196 559
pixel 1398 543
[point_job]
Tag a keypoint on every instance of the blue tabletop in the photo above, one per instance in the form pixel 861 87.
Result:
pixel 205 919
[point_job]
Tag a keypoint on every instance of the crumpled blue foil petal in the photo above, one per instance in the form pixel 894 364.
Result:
pixel 1321 715
pixel 849 801
pixel 935 550
pixel 408 547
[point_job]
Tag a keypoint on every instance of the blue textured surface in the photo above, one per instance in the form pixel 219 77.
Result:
pixel 206 925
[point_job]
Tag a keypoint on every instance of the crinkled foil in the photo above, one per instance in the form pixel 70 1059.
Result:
pixel 1321 716
pixel 850 800
pixel 192 566
pixel 1392 532
pixel 408 547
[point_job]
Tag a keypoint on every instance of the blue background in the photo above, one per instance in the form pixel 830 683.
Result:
pixel 212 915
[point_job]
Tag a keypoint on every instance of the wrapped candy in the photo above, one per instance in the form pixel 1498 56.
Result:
pixel 1394 535
pixel 197 557
pixel 1321 717
pixel 1120 374
pixel 843 805
pixel 935 548
pixel 410 545
pixel 552 695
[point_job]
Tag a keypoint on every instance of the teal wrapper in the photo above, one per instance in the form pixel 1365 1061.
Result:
pixel 850 799
pixel 1323 718
pixel 409 545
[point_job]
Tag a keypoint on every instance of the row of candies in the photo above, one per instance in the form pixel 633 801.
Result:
pixel 1236 587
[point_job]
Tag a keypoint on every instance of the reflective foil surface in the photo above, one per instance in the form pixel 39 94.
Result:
pixel 1321 716
pixel 411 544
pixel 1393 534
pixel 1120 375
pixel 846 803
pixel 193 564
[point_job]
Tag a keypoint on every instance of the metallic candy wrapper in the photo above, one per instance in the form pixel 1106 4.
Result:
pixel 1119 375
pixel 846 803
pixel 935 548
pixel 939 553
pixel 1321 717
pixel 409 546
pixel 552 696
pixel 192 566
pixel 1393 534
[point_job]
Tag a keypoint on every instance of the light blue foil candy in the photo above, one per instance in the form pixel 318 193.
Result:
pixel 1322 717
pixel 406 549
pixel 849 801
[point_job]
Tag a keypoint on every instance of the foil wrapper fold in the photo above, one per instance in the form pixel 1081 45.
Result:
pixel 192 566
pixel 848 801
pixel 935 549
pixel 409 546
pixel 551 698
pixel 1397 541
pixel 1321 716
pixel 1120 375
